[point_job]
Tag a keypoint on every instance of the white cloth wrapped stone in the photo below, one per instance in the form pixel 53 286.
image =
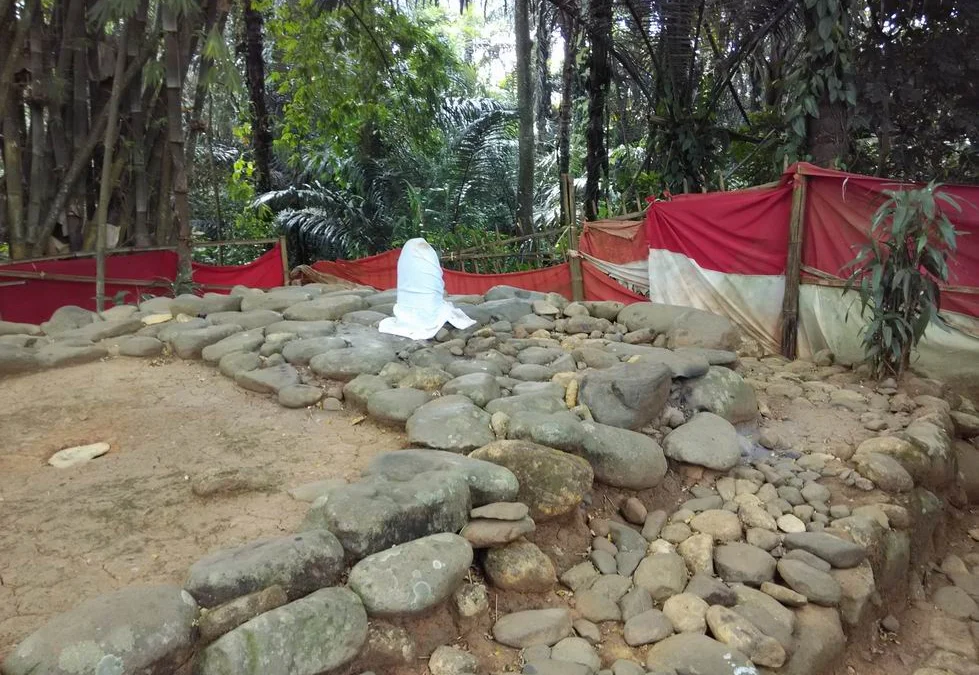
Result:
pixel 421 309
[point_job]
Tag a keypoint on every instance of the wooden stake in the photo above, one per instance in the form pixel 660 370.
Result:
pixel 793 269
pixel 284 252
pixel 571 222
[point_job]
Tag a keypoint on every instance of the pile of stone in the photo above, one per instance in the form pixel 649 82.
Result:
pixel 759 570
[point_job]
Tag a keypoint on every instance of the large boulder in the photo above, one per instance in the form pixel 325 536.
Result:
pixel 722 392
pixel 696 328
pixel 706 440
pixel 488 483
pixel 623 458
pixel 561 430
pixel 820 641
pixel 374 513
pixel 298 563
pixel 648 315
pixel 102 330
pixel 695 654
pixel 15 359
pixel 68 318
pixel 346 364
pixel 629 395
pixel 396 406
pixel 147 630
pixel 450 423
pixel 552 482
pixel 933 440
pixel 299 352
pixel 413 577
pixel 316 634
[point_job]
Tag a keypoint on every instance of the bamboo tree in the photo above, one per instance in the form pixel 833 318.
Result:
pixel 600 38
pixel 39 177
pixel 255 68
pixel 175 139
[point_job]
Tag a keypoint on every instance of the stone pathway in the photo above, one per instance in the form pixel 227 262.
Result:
pixel 811 500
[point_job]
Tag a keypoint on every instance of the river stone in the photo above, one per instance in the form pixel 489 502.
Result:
pixel 315 634
pixel 216 622
pixel 648 627
pixel 328 308
pixel 622 458
pixel 521 567
pixel 722 392
pixel 687 612
pixel 533 627
pixel 396 406
pixel 413 577
pixel 818 586
pixel 189 344
pixel 58 354
pixel 301 329
pixel 595 358
pixel 299 563
pixel 720 524
pixel 552 482
pixel 561 430
pixel 358 391
pixel 299 396
pixel 299 352
pixel 695 654
pixel 712 590
pixel 68 318
pixel 450 423
pixel 447 660
pixel 488 532
pixel 102 330
pixel 460 368
pixel 767 614
pixel 707 440
pixel 698 553
pixel 511 405
pixel 138 345
pixel 250 320
pixel 346 364
pixel 743 563
pixel 15 359
pixel 662 574
pixel 697 328
pixel 238 362
pixel 12 328
pixel 488 482
pixel 838 552
pixel 955 602
pixel 681 364
pixel 580 577
pixel 734 630
pixel 886 472
pixel 142 629
pixel 374 513
pixel 819 641
pixel 268 380
pixel 246 341
pixel 479 387
pixel 168 331
pixel 514 511
pixel 629 395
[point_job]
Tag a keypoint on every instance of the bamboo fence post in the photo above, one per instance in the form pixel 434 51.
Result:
pixel 793 269
pixel 567 200
pixel 284 252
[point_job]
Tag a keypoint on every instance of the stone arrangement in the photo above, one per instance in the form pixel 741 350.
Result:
pixel 777 553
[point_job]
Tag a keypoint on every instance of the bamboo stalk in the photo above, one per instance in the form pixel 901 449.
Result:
pixel 284 253
pixel 793 270
pixel 567 198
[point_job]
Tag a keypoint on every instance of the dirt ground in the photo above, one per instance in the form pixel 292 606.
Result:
pixel 131 516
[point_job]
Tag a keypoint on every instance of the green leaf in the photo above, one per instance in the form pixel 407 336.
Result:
pixel 825 27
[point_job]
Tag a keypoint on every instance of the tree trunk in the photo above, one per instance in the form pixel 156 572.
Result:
pixel 12 56
pixel 255 70
pixel 39 172
pixel 214 25
pixel 14 181
pixel 826 135
pixel 569 32
pixel 137 121
pixel 600 37
pixel 175 138
pixel 78 211
pixel 545 24
pixel 525 103
pixel 105 183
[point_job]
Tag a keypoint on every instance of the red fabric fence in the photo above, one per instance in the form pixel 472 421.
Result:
pixel 35 300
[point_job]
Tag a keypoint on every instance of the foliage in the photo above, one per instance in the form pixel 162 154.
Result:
pixel 898 272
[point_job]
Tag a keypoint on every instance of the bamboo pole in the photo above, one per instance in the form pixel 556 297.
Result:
pixel 793 269
pixel 81 278
pixel 284 252
pixel 571 221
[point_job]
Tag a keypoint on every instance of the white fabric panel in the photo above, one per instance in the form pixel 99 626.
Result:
pixel 830 319
pixel 633 275
pixel 754 302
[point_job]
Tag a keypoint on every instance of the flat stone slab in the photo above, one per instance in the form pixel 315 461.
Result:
pixel 316 634
pixel 59 354
pixel 629 395
pixel 693 653
pixel 133 630
pixel 411 578
pixel 450 423
pixel 299 563
pixel 268 380
pixel 707 440
pixel 375 513
pixel 834 550
pixel 188 344
pixel 533 627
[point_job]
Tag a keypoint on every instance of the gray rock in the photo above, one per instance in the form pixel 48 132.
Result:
pixel 595 358
pixel 706 440
pixel 168 331
pixel 734 630
pixel 635 602
pixel 220 620
pixel 268 380
pixel 12 328
pixel 818 586
pixel 743 563
pixel 533 627
pixel 552 482
pixel 687 612
pixel 885 471
pixel 767 614
pixel 511 405
pixel 648 627
pixel 301 329
pixel 426 378
pixel 597 605
pixel 627 395
pixel 246 341
pixel 576 650
pixel 623 458
pixel 808 558
pixel 238 362
pixel 623 667
pixel 488 482
pixel 955 602
pixel 695 654
pixel 530 372
pixel 510 309
pixel 147 629
pixel 838 552
pixel 358 391
pixel 275 301
pixel 489 533
pixel 299 396
pixel 59 354
pixel 460 368
pixel 479 387
pixel 299 352
pixel 520 566
pixel 656 317
pixel 139 345
pixel 662 574
pixel 681 364
pixel 561 430
pixel 450 423
pixel 102 330
pixel 447 660
pixel 310 492
pixel 375 514
pixel 299 563
pixel 713 591
pixel 696 328
pixel 68 318
pixel 413 577
pixel 513 511
pixel 250 320
pixel 580 577
pixel 819 641
pixel 189 344
pixel 316 634
pixel 722 392
pixel 15 359
pixel 346 364
pixel 395 406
